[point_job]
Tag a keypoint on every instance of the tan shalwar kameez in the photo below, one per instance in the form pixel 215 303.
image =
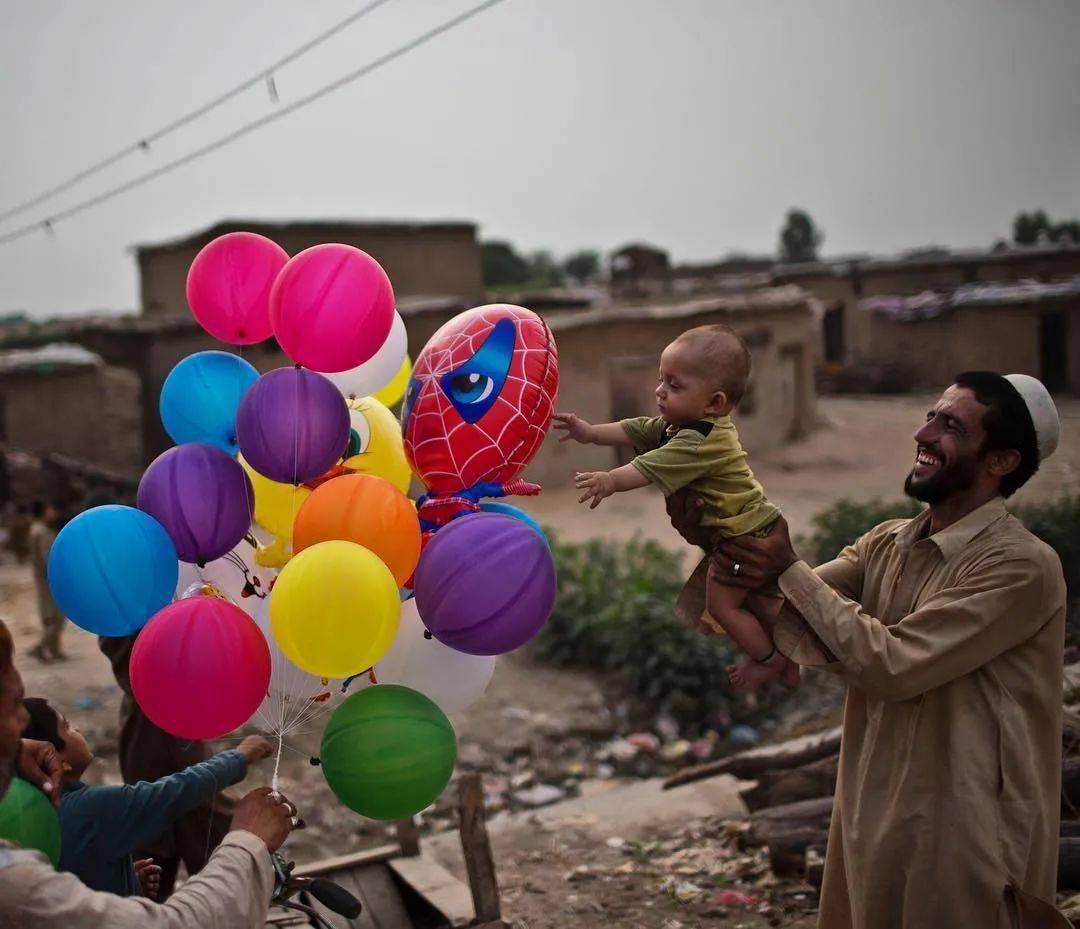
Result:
pixel 947 802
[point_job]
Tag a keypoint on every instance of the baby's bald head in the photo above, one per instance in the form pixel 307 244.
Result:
pixel 717 354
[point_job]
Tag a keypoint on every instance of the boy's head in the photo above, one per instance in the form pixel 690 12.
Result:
pixel 49 725
pixel 704 372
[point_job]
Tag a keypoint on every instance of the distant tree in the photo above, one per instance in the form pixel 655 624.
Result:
pixel 503 265
pixel 544 270
pixel 800 238
pixel 1033 228
pixel 1028 228
pixel 582 265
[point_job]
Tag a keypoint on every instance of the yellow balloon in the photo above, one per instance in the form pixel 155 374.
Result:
pixel 334 609
pixel 274 555
pixel 382 452
pixel 276 505
pixel 391 394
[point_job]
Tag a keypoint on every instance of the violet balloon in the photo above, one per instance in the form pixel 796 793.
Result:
pixel 201 496
pixel 485 584
pixel 292 425
pixel 200 668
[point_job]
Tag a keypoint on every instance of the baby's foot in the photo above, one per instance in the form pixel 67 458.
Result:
pixel 749 673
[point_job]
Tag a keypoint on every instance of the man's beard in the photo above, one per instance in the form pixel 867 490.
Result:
pixel 946 481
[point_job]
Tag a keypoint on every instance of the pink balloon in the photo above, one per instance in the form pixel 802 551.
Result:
pixel 332 307
pixel 200 668
pixel 228 286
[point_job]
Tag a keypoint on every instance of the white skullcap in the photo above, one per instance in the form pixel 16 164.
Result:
pixel 1040 406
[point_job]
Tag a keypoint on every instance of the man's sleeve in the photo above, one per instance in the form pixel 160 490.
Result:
pixel 998 603
pixel 676 464
pixel 231 892
pixel 140 812
pixel 644 432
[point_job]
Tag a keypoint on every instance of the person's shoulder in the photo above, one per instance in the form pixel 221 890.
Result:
pixel 1011 539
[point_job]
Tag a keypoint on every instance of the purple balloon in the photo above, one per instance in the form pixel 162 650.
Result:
pixel 201 496
pixel 485 584
pixel 292 425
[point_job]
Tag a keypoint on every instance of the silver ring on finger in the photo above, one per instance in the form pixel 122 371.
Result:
pixel 736 568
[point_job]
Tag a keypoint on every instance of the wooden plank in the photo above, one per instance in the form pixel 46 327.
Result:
pixel 408 837
pixel 748 764
pixel 328 865
pixel 476 848
pixel 437 886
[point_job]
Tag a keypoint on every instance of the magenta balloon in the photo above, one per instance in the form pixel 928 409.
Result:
pixel 202 497
pixel 292 425
pixel 229 283
pixel 485 584
pixel 200 668
pixel 332 307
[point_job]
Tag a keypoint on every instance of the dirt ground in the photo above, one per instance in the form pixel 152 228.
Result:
pixel 573 875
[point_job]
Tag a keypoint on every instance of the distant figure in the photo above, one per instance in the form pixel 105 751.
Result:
pixel 693 444
pixel 19 539
pixel 42 534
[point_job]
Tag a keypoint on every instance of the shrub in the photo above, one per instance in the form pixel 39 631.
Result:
pixel 843 522
pixel 616 614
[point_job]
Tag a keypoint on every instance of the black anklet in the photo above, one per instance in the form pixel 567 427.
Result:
pixel 767 658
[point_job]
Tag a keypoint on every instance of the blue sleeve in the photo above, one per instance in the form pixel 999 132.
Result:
pixel 133 815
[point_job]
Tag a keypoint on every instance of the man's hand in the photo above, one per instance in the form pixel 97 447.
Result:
pixel 255 748
pixel 684 509
pixel 39 763
pixel 573 427
pixel 596 485
pixel 149 875
pixel 750 562
pixel 265 814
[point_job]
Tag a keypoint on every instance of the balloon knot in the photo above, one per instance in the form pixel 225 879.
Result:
pixel 315 762
pixel 200 564
pixel 427 634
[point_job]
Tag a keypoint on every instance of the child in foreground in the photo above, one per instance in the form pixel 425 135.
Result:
pixel 100 827
pixel 693 444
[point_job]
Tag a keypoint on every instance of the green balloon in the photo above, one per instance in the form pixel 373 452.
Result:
pixel 28 819
pixel 388 752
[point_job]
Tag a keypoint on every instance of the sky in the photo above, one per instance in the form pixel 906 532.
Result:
pixel 559 124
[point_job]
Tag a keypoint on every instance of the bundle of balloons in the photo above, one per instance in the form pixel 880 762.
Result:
pixel 275 569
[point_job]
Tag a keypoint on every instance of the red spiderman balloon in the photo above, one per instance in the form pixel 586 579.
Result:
pixel 478 407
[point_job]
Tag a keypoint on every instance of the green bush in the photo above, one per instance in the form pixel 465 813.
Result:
pixel 616 614
pixel 843 522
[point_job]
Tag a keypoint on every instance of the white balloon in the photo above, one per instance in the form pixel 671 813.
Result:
pixel 379 370
pixel 453 680
pixel 236 575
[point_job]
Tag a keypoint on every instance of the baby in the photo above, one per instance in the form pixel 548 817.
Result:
pixel 693 444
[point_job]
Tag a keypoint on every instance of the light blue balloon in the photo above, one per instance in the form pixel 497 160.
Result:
pixel 111 568
pixel 200 396
pixel 507 510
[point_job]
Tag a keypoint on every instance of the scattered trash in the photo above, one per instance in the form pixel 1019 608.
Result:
pixel 540 795
pixel 644 741
pixel 737 898
pixel 743 735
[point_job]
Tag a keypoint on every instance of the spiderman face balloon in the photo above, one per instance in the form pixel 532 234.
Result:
pixel 481 398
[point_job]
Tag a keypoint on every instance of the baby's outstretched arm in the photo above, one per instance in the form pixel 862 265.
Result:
pixel 572 426
pixel 599 484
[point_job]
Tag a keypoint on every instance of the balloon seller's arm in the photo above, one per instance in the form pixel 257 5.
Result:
pixel 134 814
pixel 231 892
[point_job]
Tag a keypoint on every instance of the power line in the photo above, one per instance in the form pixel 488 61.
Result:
pixel 51 221
pixel 266 74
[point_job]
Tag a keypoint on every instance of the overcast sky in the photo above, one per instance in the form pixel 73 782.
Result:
pixel 694 124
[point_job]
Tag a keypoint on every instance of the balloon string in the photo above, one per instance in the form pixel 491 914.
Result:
pixel 277 765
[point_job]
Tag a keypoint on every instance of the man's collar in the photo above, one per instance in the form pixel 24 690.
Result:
pixel 952 539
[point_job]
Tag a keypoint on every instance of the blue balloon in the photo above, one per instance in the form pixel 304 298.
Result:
pixel 111 568
pixel 200 396
pixel 507 510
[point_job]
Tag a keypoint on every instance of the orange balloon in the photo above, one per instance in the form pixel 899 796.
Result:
pixel 366 510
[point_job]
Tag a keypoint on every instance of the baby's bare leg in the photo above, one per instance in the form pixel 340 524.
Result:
pixel 726 604
pixel 766 609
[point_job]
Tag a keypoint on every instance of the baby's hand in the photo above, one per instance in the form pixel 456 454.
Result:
pixel 596 484
pixel 573 427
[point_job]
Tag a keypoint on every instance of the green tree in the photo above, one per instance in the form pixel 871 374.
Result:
pixel 1029 227
pixel 582 266
pixel 800 238
pixel 503 265
pixel 544 270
